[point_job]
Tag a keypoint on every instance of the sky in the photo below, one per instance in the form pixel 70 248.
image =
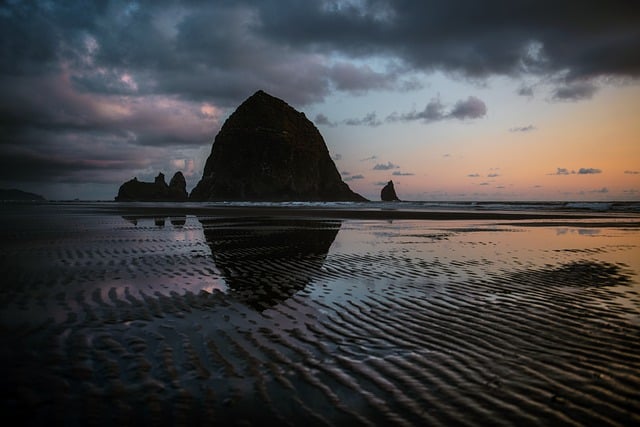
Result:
pixel 452 100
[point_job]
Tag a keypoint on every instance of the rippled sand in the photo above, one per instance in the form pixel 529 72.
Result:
pixel 198 320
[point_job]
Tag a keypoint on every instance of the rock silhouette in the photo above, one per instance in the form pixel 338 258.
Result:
pixel 388 193
pixel 157 191
pixel 268 151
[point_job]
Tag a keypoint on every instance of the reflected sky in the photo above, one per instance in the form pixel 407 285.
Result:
pixel 55 264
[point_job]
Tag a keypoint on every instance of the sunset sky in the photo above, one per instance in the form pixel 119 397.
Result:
pixel 452 100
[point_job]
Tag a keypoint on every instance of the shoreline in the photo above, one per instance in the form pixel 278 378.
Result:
pixel 258 315
pixel 602 219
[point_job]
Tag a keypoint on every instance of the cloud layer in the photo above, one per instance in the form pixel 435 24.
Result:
pixel 94 90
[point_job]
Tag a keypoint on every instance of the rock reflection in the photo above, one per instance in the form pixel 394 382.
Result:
pixel 267 260
pixel 158 221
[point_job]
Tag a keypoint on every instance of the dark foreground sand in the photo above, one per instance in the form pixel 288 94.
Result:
pixel 163 316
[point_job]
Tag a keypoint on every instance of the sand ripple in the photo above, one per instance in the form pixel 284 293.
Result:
pixel 135 321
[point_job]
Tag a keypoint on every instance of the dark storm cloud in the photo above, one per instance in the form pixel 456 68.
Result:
pixel 226 50
pixel 468 37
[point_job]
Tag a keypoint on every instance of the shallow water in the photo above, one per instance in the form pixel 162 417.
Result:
pixel 194 320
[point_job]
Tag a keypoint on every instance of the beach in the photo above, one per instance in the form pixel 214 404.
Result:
pixel 187 314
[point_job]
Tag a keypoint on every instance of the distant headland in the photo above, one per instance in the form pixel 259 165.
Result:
pixel 19 195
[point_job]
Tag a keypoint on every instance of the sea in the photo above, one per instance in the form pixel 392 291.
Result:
pixel 519 206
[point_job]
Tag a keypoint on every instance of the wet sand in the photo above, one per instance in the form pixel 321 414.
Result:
pixel 192 316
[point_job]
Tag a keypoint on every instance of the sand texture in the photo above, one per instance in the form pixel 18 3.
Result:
pixel 113 318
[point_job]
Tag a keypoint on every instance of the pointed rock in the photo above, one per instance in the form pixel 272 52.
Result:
pixel 178 187
pixel 388 193
pixel 268 151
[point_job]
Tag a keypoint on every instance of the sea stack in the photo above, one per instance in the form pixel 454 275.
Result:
pixel 157 191
pixel 388 193
pixel 268 151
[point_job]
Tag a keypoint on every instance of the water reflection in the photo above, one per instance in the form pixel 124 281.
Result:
pixel 579 231
pixel 159 221
pixel 266 260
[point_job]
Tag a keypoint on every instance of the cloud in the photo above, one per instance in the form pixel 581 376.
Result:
pixel 492 175
pixel 629 172
pixel 527 128
pixel 383 167
pixel 323 120
pixel 368 120
pixel 581 171
pixel 374 157
pixel 353 177
pixel 602 190
pixel 473 175
pixel 525 91
pixel 433 111
pixel 562 171
pixel 588 171
pixel 483 39
pixel 357 79
pixel 471 108
pixel 398 173
pixel 575 91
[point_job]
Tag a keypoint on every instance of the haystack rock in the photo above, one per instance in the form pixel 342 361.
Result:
pixel 388 193
pixel 268 151
pixel 157 191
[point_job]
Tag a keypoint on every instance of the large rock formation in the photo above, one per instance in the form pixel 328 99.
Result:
pixel 388 193
pixel 157 191
pixel 268 151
